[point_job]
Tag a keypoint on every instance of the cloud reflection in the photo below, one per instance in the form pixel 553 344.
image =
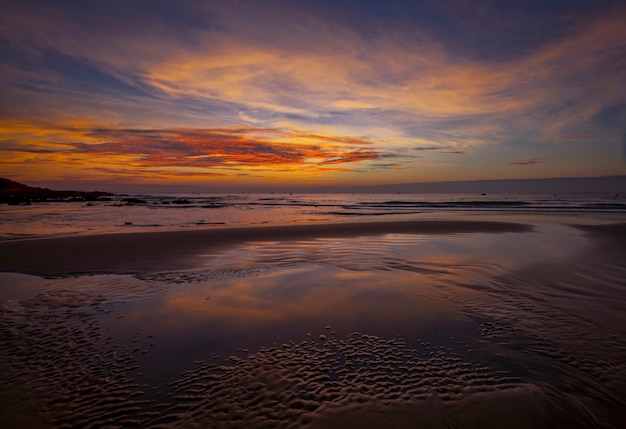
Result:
pixel 390 284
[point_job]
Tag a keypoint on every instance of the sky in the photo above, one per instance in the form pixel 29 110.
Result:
pixel 259 94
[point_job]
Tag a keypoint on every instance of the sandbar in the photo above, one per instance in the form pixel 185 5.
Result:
pixel 146 252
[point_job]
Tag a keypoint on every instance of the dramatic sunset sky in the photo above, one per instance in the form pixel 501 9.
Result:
pixel 95 94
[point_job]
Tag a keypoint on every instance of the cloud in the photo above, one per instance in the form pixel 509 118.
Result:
pixel 319 75
pixel 428 148
pixel 186 151
pixel 227 147
pixel 527 162
pixel 573 137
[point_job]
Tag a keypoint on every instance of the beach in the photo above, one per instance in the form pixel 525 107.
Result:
pixel 313 215
pixel 464 321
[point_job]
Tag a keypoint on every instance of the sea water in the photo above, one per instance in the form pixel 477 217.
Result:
pixel 136 213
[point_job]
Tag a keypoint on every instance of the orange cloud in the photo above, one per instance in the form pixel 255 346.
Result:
pixel 182 152
pixel 225 147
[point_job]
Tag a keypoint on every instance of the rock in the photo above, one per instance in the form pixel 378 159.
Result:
pixel 132 201
pixel 17 193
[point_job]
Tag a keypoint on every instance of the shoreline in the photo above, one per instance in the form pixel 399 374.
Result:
pixel 144 252
pixel 159 251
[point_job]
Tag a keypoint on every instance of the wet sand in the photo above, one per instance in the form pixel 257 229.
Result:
pixel 437 324
pixel 173 250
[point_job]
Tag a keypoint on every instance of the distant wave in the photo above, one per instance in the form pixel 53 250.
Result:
pixel 126 213
pixel 379 204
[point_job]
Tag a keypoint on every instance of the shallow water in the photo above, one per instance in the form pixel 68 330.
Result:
pixel 467 330
pixel 193 211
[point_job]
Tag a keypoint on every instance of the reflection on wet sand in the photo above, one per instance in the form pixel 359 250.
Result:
pixel 291 304
pixel 472 330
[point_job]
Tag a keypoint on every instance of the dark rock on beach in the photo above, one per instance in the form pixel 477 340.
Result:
pixel 17 193
pixel 132 201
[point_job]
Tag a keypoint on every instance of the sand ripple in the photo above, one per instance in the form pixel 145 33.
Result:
pixel 296 385
pixel 59 370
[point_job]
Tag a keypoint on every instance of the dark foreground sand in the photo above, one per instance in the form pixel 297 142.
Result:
pixel 443 341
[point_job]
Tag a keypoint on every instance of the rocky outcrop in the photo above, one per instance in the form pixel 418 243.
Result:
pixel 17 193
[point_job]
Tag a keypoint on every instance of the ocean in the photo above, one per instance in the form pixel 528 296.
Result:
pixel 161 212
